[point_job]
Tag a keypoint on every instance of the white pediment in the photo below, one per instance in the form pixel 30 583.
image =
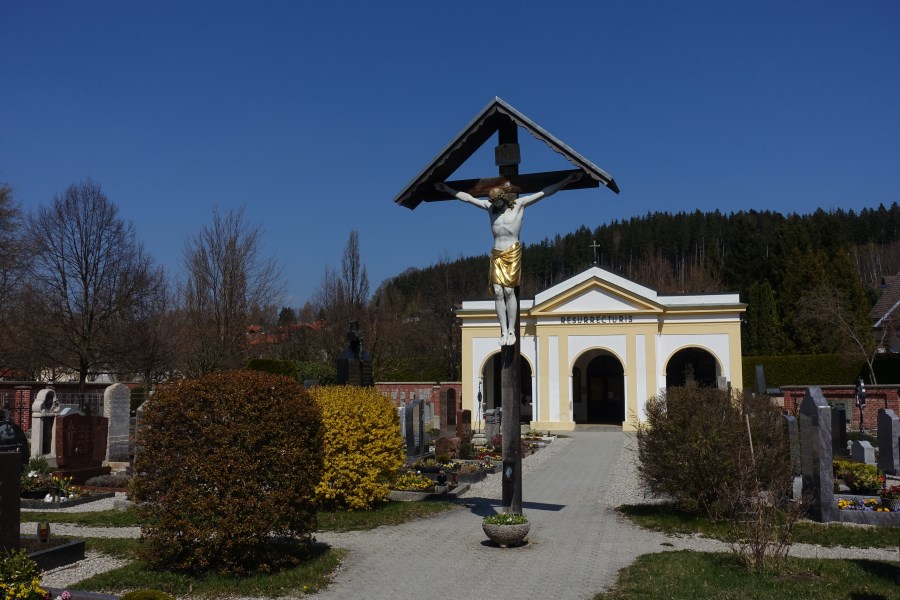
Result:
pixel 595 300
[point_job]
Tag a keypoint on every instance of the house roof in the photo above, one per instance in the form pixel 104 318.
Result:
pixel 491 118
pixel 889 300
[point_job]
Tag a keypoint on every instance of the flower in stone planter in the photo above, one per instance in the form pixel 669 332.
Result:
pixel 891 493
pixel 506 519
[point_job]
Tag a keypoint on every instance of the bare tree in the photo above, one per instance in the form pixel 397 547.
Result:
pixel 343 298
pixel 227 283
pixel 87 277
pixel 13 257
pixel 839 325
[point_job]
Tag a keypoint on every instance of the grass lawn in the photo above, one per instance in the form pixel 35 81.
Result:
pixel 389 513
pixel 669 519
pixel 319 562
pixel 720 576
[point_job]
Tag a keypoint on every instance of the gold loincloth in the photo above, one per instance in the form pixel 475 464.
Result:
pixel 506 266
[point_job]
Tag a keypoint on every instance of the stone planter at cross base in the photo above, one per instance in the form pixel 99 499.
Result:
pixel 506 535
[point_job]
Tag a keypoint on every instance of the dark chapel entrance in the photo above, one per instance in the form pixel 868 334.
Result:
pixel 598 389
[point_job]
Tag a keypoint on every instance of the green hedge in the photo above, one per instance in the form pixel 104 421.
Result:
pixel 227 464
pixel 288 368
pixel 804 369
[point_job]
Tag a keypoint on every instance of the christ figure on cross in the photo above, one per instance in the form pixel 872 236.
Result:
pixel 506 213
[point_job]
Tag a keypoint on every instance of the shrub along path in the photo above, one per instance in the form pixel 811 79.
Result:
pixel 577 544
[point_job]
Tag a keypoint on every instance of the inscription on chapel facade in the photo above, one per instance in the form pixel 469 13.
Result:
pixel 596 319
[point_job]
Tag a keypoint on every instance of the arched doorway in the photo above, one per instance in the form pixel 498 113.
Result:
pixel 598 388
pixel 692 366
pixel 491 387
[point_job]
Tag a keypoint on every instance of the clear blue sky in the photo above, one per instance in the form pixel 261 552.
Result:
pixel 315 115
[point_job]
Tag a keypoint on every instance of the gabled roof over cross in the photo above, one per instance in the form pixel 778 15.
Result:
pixel 496 115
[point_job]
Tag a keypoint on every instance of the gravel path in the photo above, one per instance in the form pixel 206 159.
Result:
pixel 577 544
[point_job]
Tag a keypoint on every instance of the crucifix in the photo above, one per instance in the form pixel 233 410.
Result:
pixel 502 197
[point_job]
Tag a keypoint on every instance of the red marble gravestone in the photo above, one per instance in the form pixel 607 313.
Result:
pixel 81 446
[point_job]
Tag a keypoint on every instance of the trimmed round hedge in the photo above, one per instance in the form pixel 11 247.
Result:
pixel 226 470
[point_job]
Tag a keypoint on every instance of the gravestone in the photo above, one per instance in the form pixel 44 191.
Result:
pixel 888 441
pixel 793 433
pixel 862 452
pixel 13 439
pixel 839 430
pixel 401 415
pixel 415 429
pixel 10 499
pixel 81 446
pixel 492 423
pixel 117 408
pixel 43 414
pixel 816 455
pixel 449 446
pixel 464 425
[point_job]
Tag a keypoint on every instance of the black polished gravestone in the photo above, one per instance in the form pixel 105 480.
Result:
pixel 13 439
pixel 10 501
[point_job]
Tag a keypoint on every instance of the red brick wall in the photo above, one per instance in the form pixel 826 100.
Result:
pixel 877 396
pixel 434 395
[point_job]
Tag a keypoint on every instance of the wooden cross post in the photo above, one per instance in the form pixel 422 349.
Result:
pixel 510 382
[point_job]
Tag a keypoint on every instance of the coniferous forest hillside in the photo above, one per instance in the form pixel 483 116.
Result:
pixel 784 266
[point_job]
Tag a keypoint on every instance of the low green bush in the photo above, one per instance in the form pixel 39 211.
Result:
pixel 859 477
pixel 228 462
pixel 146 595
pixel 803 369
pixel 288 368
pixel 113 480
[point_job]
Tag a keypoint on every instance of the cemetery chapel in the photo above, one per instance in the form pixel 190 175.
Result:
pixel 596 346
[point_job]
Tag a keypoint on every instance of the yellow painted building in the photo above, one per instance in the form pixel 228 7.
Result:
pixel 597 345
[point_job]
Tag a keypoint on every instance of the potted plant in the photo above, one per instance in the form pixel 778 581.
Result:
pixel 507 529
pixel 890 497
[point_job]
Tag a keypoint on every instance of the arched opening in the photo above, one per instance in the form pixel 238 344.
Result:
pixel 491 386
pixel 598 388
pixel 451 406
pixel 692 366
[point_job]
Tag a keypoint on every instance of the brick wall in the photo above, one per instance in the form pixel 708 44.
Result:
pixel 436 394
pixel 877 396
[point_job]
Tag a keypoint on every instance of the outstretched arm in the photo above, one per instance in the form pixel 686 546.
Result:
pixel 468 198
pixel 549 190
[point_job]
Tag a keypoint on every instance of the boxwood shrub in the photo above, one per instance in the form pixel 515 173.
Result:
pixel 228 463
pixel 363 449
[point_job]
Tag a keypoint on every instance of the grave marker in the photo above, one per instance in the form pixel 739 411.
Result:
pixel 862 452
pixel 816 454
pixel 117 409
pixel 10 501
pixel 81 446
pixel 888 441
pixel 839 430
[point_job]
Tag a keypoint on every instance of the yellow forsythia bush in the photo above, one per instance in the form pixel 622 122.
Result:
pixel 362 446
